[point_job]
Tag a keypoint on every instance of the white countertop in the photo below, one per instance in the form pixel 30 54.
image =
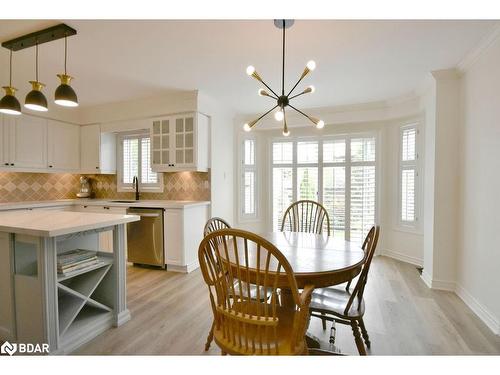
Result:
pixel 42 223
pixel 100 202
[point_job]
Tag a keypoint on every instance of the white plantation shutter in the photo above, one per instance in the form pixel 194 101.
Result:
pixel 130 159
pixel 248 182
pixel 147 175
pixel 282 194
pixel 135 160
pixel 362 201
pixel 408 174
pixel 343 179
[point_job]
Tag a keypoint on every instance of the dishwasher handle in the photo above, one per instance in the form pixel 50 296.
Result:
pixel 144 215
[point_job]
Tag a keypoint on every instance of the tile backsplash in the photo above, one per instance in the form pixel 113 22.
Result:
pixel 20 186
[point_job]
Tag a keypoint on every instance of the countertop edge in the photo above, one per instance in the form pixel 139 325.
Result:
pixel 90 202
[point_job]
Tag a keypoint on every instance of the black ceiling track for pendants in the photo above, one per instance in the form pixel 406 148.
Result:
pixel 39 37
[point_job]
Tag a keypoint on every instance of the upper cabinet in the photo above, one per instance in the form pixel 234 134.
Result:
pixel 98 150
pixel 63 146
pixel 27 142
pixel 33 144
pixel 180 143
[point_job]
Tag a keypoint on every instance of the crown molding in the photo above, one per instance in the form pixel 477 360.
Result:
pixel 472 56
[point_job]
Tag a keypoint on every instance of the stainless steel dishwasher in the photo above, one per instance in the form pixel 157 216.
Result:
pixel 145 237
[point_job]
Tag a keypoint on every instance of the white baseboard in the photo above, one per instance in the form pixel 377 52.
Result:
pixel 482 312
pixel 427 279
pixel 402 257
pixel 448 286
pixel 183 269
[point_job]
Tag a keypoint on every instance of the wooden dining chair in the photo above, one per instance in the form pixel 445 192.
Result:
pixel 243 325
pixel 306 216
pixel 341 306
pixel 212 225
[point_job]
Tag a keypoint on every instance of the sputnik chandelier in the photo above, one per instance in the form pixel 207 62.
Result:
pixel 283 100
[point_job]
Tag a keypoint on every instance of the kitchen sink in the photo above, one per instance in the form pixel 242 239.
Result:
pixel 119 201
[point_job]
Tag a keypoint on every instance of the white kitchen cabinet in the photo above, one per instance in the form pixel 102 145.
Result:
pixel 180 143
pixel 98 150
pixel 63 146
pixel 25 143
pixel 4 142
pixel 183 232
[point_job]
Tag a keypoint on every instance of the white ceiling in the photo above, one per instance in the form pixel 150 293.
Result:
pixel 357 61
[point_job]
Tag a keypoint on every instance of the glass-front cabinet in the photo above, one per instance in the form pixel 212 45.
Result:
pixel 180 143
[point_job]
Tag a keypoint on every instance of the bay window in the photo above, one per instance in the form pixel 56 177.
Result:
pixel 339 173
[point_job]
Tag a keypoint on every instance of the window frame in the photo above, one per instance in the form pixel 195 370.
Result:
pixel 347 164
pixel 410 226
pixel 128 187
pixel 242 168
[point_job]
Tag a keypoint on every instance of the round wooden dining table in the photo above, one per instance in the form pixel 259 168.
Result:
pixel 316 259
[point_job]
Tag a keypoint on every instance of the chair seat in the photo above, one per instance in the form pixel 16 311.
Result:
pixel 253 291
pixel 333 301
pixel 282 334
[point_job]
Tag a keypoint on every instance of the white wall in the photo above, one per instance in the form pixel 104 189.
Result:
pixel 222 156
pixel 385 121
pixel 478 265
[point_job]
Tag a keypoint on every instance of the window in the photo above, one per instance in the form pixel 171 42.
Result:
pixel 248 184
pixel 408 173
pixel 340 173
pixel 134 159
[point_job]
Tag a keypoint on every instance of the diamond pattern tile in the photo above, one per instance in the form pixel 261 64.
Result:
pixel 16 187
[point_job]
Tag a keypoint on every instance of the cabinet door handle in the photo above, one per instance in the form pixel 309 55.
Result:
pixel 6 163
pixel 96 167
pixel 12 164
pixel 50 166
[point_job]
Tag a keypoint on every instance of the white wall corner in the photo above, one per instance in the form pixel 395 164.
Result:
pixel 481 311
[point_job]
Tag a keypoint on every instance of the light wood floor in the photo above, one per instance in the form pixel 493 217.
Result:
pixel 171 315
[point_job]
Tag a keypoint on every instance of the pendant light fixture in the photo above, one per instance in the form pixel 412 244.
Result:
pixel 9 103
pixel 283 100
pixel 65 95
pixel 35 100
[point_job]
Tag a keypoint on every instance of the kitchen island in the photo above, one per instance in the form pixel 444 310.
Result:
pixel 40 306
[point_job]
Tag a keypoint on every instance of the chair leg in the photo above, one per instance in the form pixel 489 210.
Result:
pixel 333 333
pixel 364 332
pixel 348 285
pixel 357 338
pixel 323 321
pixel 210 337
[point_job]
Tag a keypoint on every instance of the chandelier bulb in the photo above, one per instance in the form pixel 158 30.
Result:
pixel 250 70
pixel 263 92
pixel 286 133
pixel 311 89
pixel 247 127
pixel 311 65
pixel 278 115
pixel 320 124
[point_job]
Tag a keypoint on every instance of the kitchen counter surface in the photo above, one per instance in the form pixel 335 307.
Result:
pixel 42 223
pixel 100 202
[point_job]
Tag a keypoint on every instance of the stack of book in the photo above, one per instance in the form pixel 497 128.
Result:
pixel 75 260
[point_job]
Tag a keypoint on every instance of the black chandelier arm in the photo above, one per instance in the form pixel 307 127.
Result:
pixel 302 93
pixel 302 113
pixel 294 86
pixel 270 89
pixel 256 121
